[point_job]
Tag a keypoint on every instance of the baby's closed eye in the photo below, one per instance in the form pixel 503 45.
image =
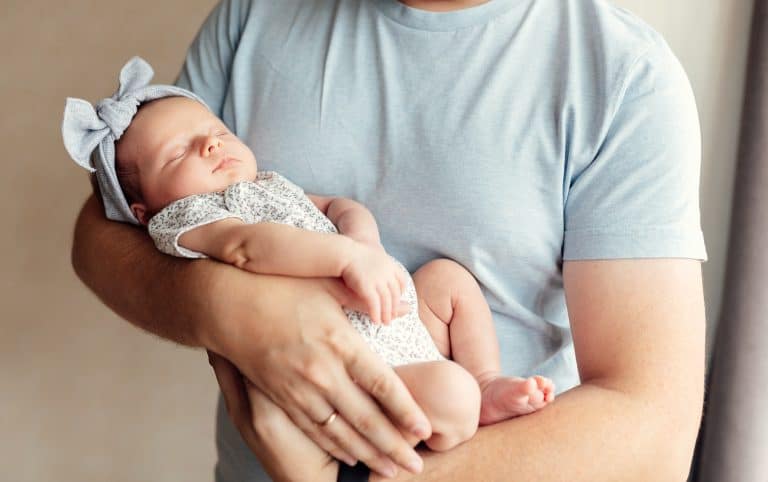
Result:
pixel 176 156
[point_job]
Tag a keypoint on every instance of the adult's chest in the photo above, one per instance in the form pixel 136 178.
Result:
pixel 456 155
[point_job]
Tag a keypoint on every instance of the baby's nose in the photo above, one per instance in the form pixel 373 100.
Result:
pixel 211 144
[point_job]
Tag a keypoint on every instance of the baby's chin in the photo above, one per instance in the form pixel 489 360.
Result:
pixel 236 176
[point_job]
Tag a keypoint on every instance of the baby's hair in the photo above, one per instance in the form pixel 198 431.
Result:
pixel 128 175
pixel 128 172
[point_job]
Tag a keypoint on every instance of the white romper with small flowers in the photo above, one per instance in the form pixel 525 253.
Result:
pixel 273 198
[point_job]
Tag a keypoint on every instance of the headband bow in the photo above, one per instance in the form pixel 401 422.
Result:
pixel 90 132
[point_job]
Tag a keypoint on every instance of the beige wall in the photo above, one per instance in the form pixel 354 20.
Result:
pixel 83 395
pixel 86 397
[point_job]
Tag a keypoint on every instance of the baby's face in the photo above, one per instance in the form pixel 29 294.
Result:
pixel 181 149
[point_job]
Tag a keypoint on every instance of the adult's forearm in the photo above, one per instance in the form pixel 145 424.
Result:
pixel 163 295
pixel 589 434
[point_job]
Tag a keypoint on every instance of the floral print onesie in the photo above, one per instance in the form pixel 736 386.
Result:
pixel 273 198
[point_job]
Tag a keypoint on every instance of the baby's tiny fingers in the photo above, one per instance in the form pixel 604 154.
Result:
pixel 386 302
pixel 402 279
pixel 403 308
pixel 374 307
pixel 396 295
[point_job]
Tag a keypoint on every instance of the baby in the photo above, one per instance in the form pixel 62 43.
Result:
pixel 166 162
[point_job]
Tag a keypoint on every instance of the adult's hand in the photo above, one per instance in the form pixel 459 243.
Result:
pixel 303 354
pixel 287 335
pixel 287 454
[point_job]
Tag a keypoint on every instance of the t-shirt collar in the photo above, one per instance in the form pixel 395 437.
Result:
pixel 443 21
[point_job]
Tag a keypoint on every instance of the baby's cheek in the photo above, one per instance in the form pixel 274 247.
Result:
pixel 180 186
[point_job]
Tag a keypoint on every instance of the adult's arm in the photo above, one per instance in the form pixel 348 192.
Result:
pixel 638 329
pixel 158 293
pixel 299 326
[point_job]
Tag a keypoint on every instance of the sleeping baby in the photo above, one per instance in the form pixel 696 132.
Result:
pixel 163 160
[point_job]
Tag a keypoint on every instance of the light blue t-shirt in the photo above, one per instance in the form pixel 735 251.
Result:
pixel 509 137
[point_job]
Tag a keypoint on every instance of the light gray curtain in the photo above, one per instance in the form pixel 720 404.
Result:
pixel 734 445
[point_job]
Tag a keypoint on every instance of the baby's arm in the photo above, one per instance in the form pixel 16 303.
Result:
pixel 351 218
pixel 270 248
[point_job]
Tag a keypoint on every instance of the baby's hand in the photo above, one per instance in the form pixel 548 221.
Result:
pixel 376 278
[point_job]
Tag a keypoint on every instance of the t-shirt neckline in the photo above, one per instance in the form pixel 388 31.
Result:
pixel 442 21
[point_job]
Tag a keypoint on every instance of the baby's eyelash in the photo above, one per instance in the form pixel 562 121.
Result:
pixel 176 158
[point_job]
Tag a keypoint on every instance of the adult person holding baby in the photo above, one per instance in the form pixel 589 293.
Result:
pixel 549 146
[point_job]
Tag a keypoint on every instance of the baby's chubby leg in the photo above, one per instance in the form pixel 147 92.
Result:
pixel 450 398
pixel 455 312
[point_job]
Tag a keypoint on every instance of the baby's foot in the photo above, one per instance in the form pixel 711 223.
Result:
pixel 507 397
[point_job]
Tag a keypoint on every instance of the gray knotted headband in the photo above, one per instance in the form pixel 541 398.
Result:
pixel 85 128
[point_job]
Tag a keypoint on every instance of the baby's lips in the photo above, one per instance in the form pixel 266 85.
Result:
pixel 225 162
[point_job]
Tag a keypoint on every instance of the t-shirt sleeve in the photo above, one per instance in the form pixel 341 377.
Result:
pixel 638 197
pixel 167 226
pixel 208 64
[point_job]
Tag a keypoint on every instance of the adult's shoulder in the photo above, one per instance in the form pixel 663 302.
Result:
pixel 633 188
pixel 642 61
pixel 616 29
pixel 614 54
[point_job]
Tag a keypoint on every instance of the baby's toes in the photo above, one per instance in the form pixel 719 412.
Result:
pixel 534 394
pixel 529 386
pixel 547 387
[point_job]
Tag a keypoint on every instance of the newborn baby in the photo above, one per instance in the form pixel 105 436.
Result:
pixel 177 169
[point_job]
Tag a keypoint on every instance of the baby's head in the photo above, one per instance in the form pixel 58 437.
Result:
pixel 173 148
pixel 150 145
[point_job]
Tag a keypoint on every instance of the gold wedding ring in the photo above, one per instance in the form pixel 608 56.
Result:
pixel 330 419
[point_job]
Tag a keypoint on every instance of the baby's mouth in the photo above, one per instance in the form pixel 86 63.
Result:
pixel 225 163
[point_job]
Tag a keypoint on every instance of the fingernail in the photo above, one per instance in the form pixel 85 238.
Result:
pixel 350 461
pixel 390 471
pixel 421 430
pixel 415 464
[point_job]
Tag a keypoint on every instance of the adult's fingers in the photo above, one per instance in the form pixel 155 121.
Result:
pixel 344 435
pixel 309 410
pixel 369 380
pixel 367 419
pixel 232 388
pixel 384 386
pixel 260 403
pixel 338 434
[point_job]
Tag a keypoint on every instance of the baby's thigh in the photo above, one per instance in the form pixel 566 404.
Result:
pixel 443 286
pixel 449 396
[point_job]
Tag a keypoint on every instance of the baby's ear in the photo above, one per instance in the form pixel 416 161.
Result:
pixel 140 211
